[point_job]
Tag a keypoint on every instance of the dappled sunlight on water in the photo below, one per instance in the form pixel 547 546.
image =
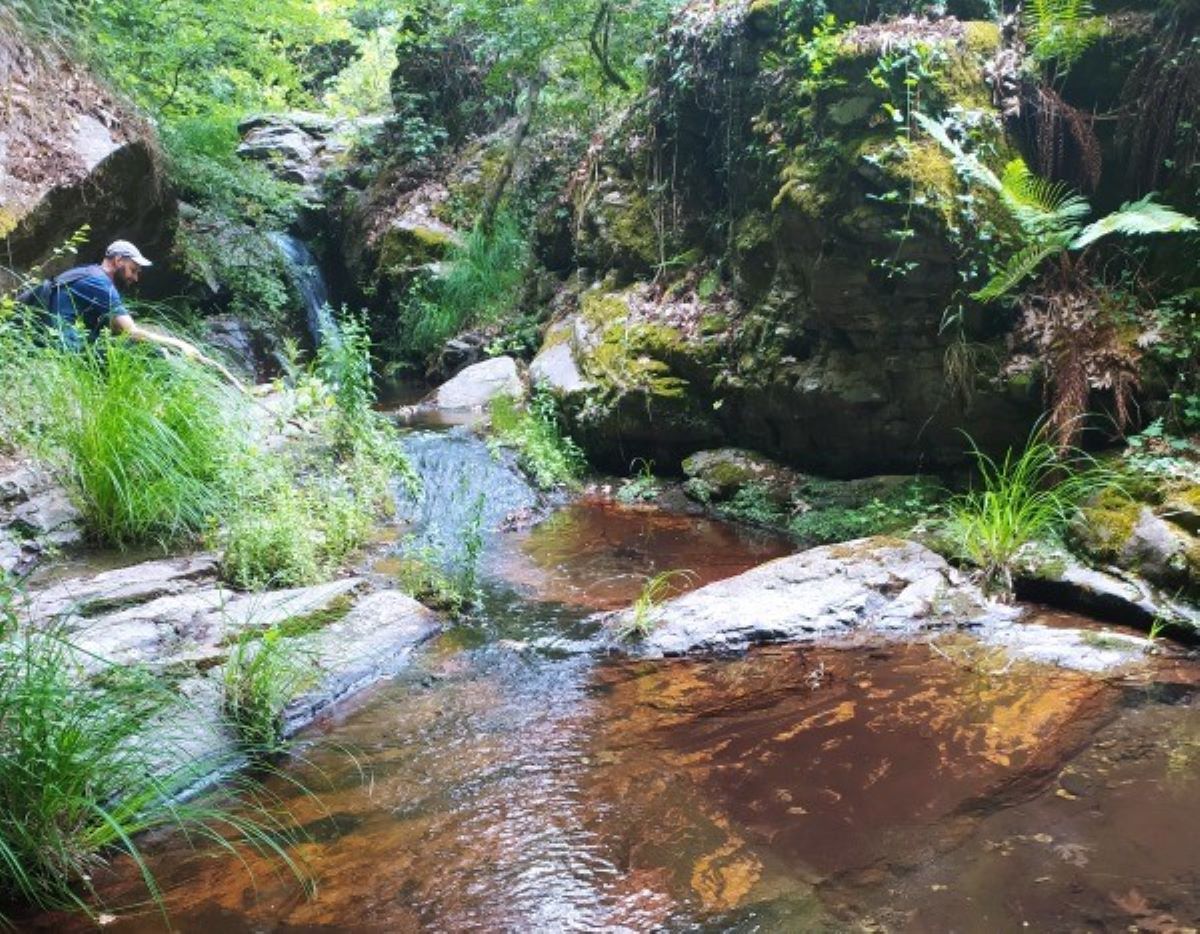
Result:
pixel 896 786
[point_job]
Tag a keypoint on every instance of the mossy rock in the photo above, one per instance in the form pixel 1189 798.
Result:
pixel 721 473
pixel 1105 525
pixel 408 246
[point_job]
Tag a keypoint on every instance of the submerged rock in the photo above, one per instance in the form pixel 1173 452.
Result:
pixel 880 584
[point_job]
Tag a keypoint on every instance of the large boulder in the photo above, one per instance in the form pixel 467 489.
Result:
pixel 476 386
pixel 72 154
pixel 868 585
pixel 791 271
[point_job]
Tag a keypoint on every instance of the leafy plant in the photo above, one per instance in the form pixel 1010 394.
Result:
pixel 1070 316
pixel 642 487
pixel 548 455
pixel 262 673
pixel 638 622
pixel 1061 31
pixel 753 503
pixel 79 783
pixel 1022 498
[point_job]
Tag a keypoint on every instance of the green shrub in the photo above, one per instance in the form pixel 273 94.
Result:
pixel 78 782
pixel 882 515
pixel 550 457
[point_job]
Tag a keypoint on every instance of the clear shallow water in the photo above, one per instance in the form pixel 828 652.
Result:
pixel 499 788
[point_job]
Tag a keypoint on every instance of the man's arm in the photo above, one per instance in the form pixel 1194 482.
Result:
pixel 124 324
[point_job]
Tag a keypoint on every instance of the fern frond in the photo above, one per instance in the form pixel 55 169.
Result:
pixel 1019 267
pixel 963 160
pixel 1061 29
pixel 1041 205
pixel 1137 219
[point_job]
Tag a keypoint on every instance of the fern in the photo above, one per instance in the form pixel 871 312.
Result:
pixel 1019 267
pixel 1137 219
pixel 1039 204
pixel 1061 30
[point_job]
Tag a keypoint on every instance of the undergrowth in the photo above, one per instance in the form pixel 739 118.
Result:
pixel 544 451
pixel 145 443
pixel 480 284
pixel 79 782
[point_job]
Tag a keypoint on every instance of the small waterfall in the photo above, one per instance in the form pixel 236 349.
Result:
pixel 463 482
pixel 309 281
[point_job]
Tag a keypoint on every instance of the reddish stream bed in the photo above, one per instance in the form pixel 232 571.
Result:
pixel 887 787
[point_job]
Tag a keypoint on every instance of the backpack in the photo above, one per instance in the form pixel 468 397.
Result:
pixel 41 295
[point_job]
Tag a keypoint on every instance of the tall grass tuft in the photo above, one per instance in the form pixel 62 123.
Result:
pixel 79 782
pixel 261 675
pixel 148 441
pixel 480 284
pixel 1022 498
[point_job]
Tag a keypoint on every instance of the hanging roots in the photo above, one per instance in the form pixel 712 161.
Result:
pixel 1060 139
pixel 1160 109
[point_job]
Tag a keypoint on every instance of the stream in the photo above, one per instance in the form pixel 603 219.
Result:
pixel 516 778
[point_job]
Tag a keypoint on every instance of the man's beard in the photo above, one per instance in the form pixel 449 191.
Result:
pixel 124 277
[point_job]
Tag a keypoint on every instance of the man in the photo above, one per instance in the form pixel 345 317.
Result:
pixel 85 300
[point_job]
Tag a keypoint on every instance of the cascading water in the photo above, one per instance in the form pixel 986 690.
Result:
pixel 306 276
pixel 462 484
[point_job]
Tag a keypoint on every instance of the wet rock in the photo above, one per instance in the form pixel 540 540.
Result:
pixel 879 584
pixel 478 385
pixel 1076 649
pixel 1055 576
pixel 374 640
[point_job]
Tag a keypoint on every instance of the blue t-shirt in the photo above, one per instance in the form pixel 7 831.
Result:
pixel 87 303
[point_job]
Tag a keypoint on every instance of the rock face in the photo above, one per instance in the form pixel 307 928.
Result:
pixel 71 154
pixel 299 147
pixel 874 584
pixel 807 328
pixel 36 516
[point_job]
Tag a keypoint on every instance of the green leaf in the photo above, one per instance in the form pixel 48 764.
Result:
pixel 1138 219
pixel 1019 267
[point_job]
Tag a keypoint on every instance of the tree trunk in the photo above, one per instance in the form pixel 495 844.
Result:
pixel 533 90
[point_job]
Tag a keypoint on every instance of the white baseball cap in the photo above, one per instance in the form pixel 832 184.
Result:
pixel 127 250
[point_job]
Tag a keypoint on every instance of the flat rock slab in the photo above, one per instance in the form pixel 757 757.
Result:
pixel 881 584
pixel 1076 649
pixel 95 594
pixel 373 641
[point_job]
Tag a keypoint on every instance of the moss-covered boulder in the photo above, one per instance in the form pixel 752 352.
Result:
pixel 815 238
pixel 719 474
pixel 1156 540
